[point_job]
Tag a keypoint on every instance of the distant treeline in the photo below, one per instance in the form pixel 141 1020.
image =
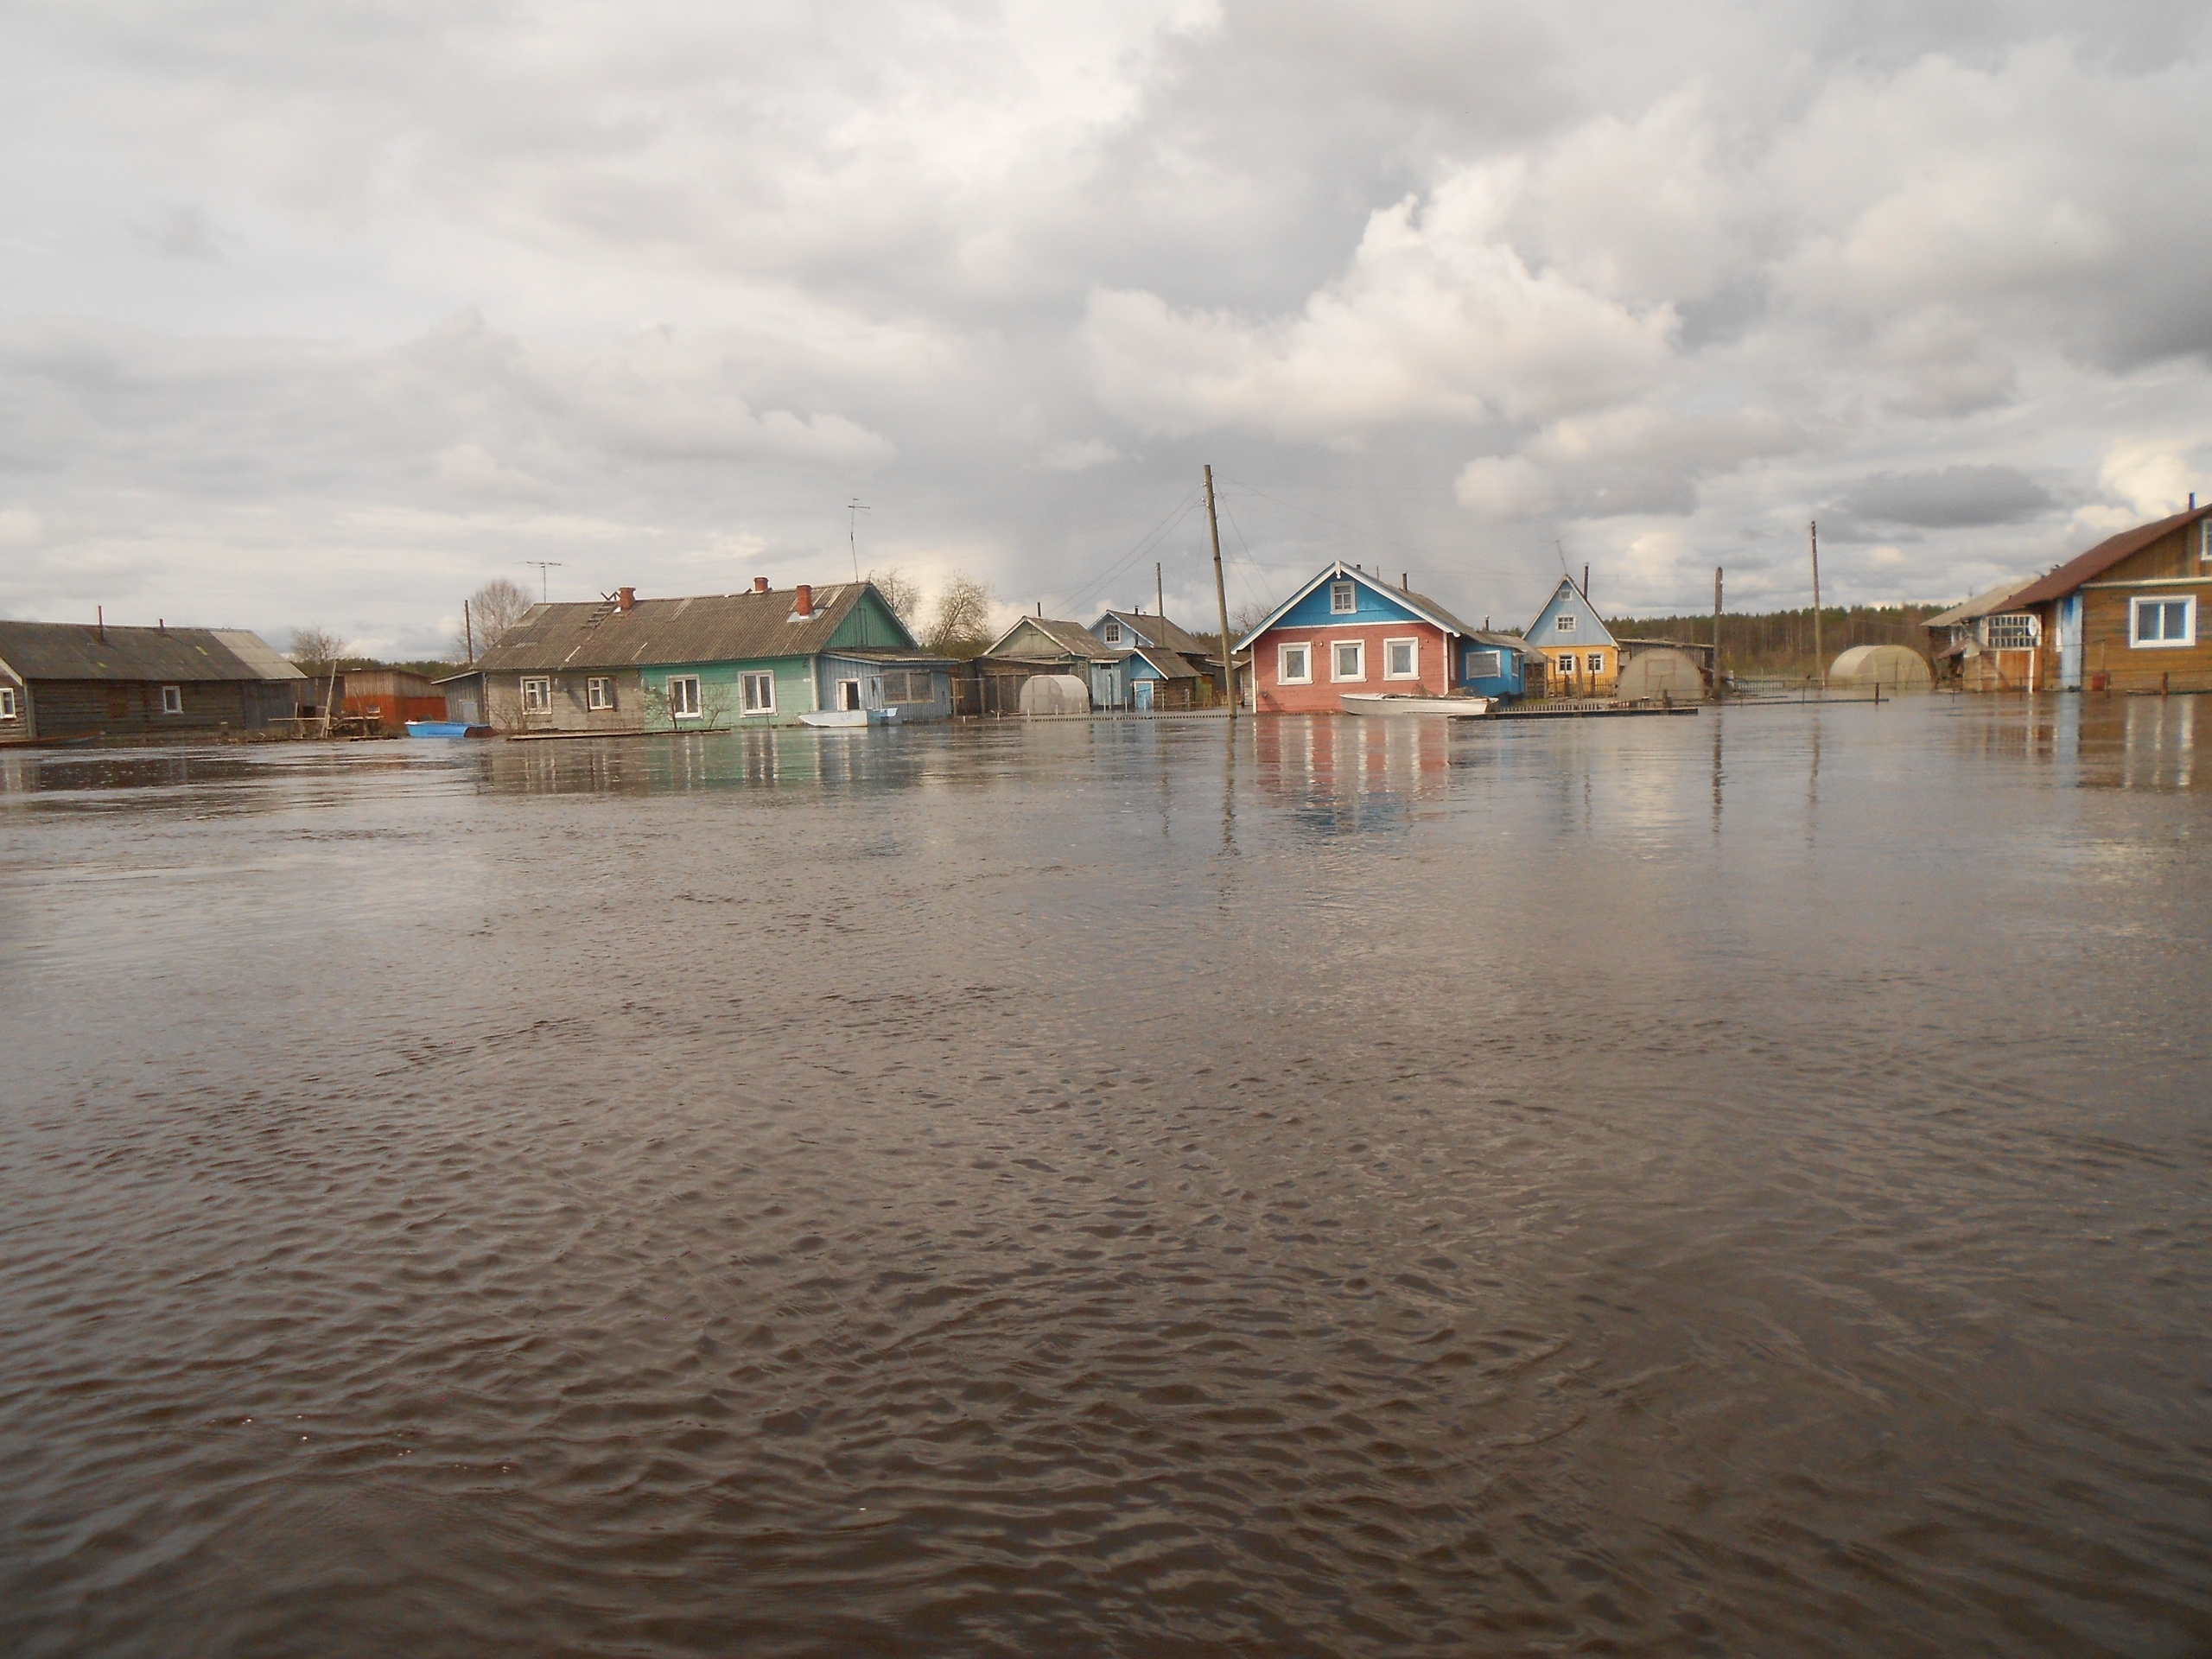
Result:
pixel 1781 642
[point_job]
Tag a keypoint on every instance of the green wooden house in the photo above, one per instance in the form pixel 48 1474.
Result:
pixel 711 661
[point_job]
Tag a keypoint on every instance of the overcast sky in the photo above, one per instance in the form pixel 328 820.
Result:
pixel 325 314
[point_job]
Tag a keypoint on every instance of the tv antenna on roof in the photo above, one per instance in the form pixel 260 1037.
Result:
pixel 853 508
pixel 545 580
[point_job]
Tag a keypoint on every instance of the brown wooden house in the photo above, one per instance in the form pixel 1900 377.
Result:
pixel 63 680
pixel 2131 615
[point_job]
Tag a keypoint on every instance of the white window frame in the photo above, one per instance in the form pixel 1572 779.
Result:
pixel 172 699
pixel 1564 665
pixel 1412 644
pixel 1303 649
pixel 1343 598
pixel 1339 678
pixel 599 693
pixel 2135 608
pixel 750 685
pixel 1495 672
pixel 2015 623
pixel 10 709
pixel 1111 634
pixel 536 694
pixel 1564 624
pixel 1595 661
pixel 683 700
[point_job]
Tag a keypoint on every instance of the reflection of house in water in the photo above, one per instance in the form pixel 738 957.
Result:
pixel 1352 773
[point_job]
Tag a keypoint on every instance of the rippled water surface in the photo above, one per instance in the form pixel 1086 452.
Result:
pixel 1723 1184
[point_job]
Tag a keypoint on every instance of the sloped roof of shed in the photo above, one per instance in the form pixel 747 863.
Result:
pixel 705 628
pixel 1174 664
pixel 1072 637
pixel 1981 604
pixel 70 651
pixel 2089 566
pixel 259 655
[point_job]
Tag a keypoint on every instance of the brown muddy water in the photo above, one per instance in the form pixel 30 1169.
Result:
pixel 1716 1185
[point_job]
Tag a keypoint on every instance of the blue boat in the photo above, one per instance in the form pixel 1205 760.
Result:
pixel 446 728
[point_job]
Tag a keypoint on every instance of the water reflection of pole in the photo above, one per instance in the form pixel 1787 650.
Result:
pixel 1228 790
pixel 1716 775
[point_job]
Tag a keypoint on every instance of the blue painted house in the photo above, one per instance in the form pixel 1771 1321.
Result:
pixel 1578 655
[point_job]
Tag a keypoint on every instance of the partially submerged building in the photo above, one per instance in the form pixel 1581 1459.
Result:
pixel 2127 615
pixel 712 661
pixel 64 680
pixel 1578 653
pixel 1350 630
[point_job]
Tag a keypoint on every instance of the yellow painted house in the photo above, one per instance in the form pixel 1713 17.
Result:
pixel 1581 659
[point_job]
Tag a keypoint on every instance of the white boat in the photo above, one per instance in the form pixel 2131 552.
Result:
pixel 847 717
pixel 1384 702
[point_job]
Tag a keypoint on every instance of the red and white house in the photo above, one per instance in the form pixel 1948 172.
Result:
pixel 1348 630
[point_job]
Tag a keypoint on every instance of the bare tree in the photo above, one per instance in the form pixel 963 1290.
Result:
pixel 493 609
pixel 315 650
pixel 1247 617
pixel 901 593
pixel 962 627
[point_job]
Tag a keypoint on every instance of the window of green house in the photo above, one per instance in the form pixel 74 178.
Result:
pixel 757 693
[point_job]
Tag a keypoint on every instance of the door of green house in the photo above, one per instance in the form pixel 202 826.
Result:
pixel 849 694
pixel 1141 690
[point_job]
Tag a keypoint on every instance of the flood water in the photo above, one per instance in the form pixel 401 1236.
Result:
pixel 1700 1185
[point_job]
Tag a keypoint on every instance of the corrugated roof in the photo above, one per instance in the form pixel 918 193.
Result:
pixel 2101 557
pixel 706 628
pixel 70 651
pixel 259 655
pixel 1979 605
pixel 1421 603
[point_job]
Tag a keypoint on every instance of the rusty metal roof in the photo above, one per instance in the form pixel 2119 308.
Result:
pixel 2101 558
pixel 70 651
pixel 706 628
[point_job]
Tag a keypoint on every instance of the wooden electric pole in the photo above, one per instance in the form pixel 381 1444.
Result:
pixel 1159 603
pixel 1820 657
pixel 1221 598
pixel 1716 633
pixel 468 631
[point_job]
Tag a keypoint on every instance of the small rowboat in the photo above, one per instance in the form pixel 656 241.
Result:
pixel 846 717
pixel 1383 702
pixel 446 728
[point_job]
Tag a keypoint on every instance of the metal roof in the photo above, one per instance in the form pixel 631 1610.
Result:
pixel 71 650
pixel 706 628
pixel 1980 605
pixel 2101 558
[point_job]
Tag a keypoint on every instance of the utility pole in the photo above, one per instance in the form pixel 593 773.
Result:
pixel 1221 598
pixel 1716 633
pixel 853 508
pixel 468 630
pixel 545 567
pixel 1159 603
pixel 1820 657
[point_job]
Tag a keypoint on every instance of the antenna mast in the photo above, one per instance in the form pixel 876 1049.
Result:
pixel 544 567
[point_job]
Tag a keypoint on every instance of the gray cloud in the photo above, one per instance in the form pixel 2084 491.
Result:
pixel 1951 498
pixel 655 292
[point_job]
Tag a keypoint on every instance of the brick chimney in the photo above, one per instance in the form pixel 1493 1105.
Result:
pixel 760 584
pixel 803 603
pixel 624 597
